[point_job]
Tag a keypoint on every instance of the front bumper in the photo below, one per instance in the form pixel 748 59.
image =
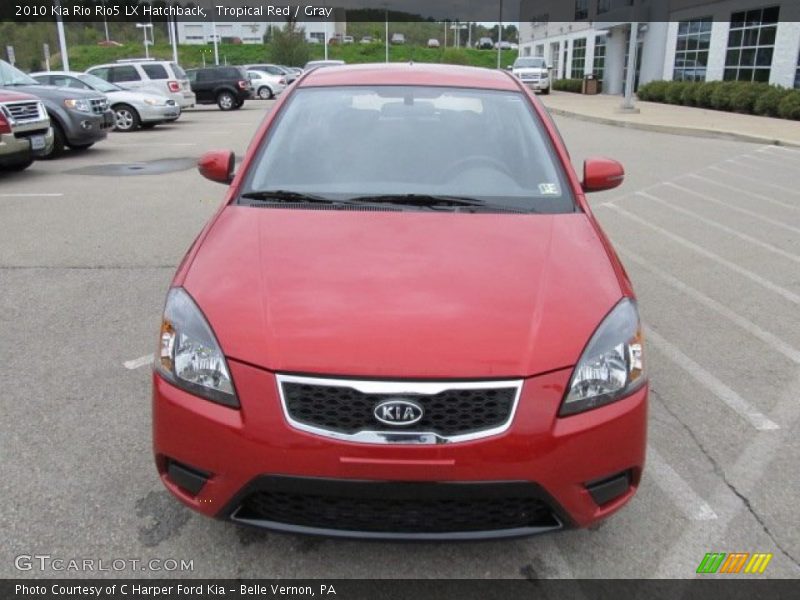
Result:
pixel 20 146
pixel 557 463
pixel 158 114
pixel 536 84
pixel 87 128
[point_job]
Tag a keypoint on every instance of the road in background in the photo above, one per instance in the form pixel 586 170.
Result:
pixel 709 231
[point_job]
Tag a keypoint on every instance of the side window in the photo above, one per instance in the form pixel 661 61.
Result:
pixel 101 72
pixel 155 71
pixel 191 76
pixel 124 73
pixel 71 82
pixel 205 75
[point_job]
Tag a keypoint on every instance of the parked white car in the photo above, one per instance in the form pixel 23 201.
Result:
pixel 534 72
pixel 266 85
pixel 131 109
pixel 157 76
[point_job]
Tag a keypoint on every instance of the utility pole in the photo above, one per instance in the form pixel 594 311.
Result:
pixel 62 40
pixel 630 79
pixel 500 36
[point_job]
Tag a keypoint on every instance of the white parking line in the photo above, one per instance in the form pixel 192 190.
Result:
pixel 138 362
pixel 743 191
pixel 780 150
pixel 673 485
pixel 711 223
pixel 11 195
pixel 734 401
pixel 778 344
pixel 745 474
pixel 754 179
pixel 754 277
pixel 744 211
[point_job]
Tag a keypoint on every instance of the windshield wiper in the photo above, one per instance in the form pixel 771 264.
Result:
pixel 287 196
pixel 437 202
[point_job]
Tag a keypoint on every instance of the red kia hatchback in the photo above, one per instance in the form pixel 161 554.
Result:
pixel 404 321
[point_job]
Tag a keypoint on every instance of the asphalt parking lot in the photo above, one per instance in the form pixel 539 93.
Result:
pixel 708 229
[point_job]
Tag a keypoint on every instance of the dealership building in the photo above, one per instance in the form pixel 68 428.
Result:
pixel 254 32
pixel 690 40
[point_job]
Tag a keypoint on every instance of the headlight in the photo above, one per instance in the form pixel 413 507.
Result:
pixel 611 366
pixel 154 102
pixel 80 104
pixel 189 355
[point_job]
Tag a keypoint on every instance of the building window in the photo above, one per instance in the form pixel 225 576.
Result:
pixel 540 50
pixel 578 58
pixel 751 44
pixel 797 74
pixel 691 52
pixel 603 6
pixel 599 66
pixel 581 9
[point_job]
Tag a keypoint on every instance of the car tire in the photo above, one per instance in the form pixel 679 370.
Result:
pixel 238 105
pixel 126 119
pixel 226 101
pixel 148 125
pixel 59 141
pixel 546 91
pixel 265 93
pixel 20 166
pixel 80 147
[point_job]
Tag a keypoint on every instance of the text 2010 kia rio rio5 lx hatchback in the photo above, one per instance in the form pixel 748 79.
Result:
pixel 403 321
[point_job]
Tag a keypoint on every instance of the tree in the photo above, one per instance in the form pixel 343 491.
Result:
pixel 289 45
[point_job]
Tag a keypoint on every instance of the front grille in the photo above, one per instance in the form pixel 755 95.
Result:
pixel 99 105
pixel 345 409
pixel 397 508
pixel 23 112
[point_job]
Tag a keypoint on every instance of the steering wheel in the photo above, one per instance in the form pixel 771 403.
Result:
pixel 461 164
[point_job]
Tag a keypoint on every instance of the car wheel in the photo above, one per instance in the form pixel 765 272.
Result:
pixel 265 93
pixel 59 141
pixel 226 101
pixel 546 91
pixel 125 118
pixel 20 166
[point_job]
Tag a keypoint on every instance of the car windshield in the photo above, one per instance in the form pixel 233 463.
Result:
pixel 101 85
pixel 366 142
pixel 530 63
pixel 12 76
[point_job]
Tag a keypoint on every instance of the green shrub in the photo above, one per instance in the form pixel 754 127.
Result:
pixel 745 96
pixel 675 92
pixel 689 93
pixel 704 93
pixel 723 93
pixel 568 85
pixel 789 108
pixel 769 101
pixel 653 91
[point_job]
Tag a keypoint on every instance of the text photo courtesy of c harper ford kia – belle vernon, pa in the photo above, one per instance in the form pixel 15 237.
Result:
pixel 403 299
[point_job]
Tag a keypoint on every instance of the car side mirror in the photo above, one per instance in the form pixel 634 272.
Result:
pixel 509 67
pixel 602 174
pixel 217 165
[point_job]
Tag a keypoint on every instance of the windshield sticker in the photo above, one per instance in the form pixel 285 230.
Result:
pixel 549 189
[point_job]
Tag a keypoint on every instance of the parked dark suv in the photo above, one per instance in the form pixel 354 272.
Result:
pixel 228 87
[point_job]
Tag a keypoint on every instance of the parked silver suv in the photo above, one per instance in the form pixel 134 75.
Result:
pixel 160 76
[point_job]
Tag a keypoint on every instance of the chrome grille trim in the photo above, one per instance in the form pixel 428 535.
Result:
pixel 399 387
pixel 25 111
pixel 99 105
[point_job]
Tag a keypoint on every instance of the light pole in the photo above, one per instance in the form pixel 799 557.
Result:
pixel 62 40
pixel 216 45
pixel 144 27
pixel 386 29
pixel 500 36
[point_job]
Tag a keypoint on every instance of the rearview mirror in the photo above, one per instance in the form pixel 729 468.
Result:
pixel 217 165
pixel 601 174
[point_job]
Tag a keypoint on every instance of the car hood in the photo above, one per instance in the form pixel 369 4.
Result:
pixel 402 294
pixel 51 92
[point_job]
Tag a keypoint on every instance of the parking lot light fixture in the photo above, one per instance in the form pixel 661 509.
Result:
pixel 144 27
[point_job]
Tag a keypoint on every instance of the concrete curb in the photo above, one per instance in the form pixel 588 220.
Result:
pixel 676 130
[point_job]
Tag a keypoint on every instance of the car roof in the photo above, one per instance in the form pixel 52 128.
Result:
pixel 411 74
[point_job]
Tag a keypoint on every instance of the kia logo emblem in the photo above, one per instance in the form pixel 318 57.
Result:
pixel 398 412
